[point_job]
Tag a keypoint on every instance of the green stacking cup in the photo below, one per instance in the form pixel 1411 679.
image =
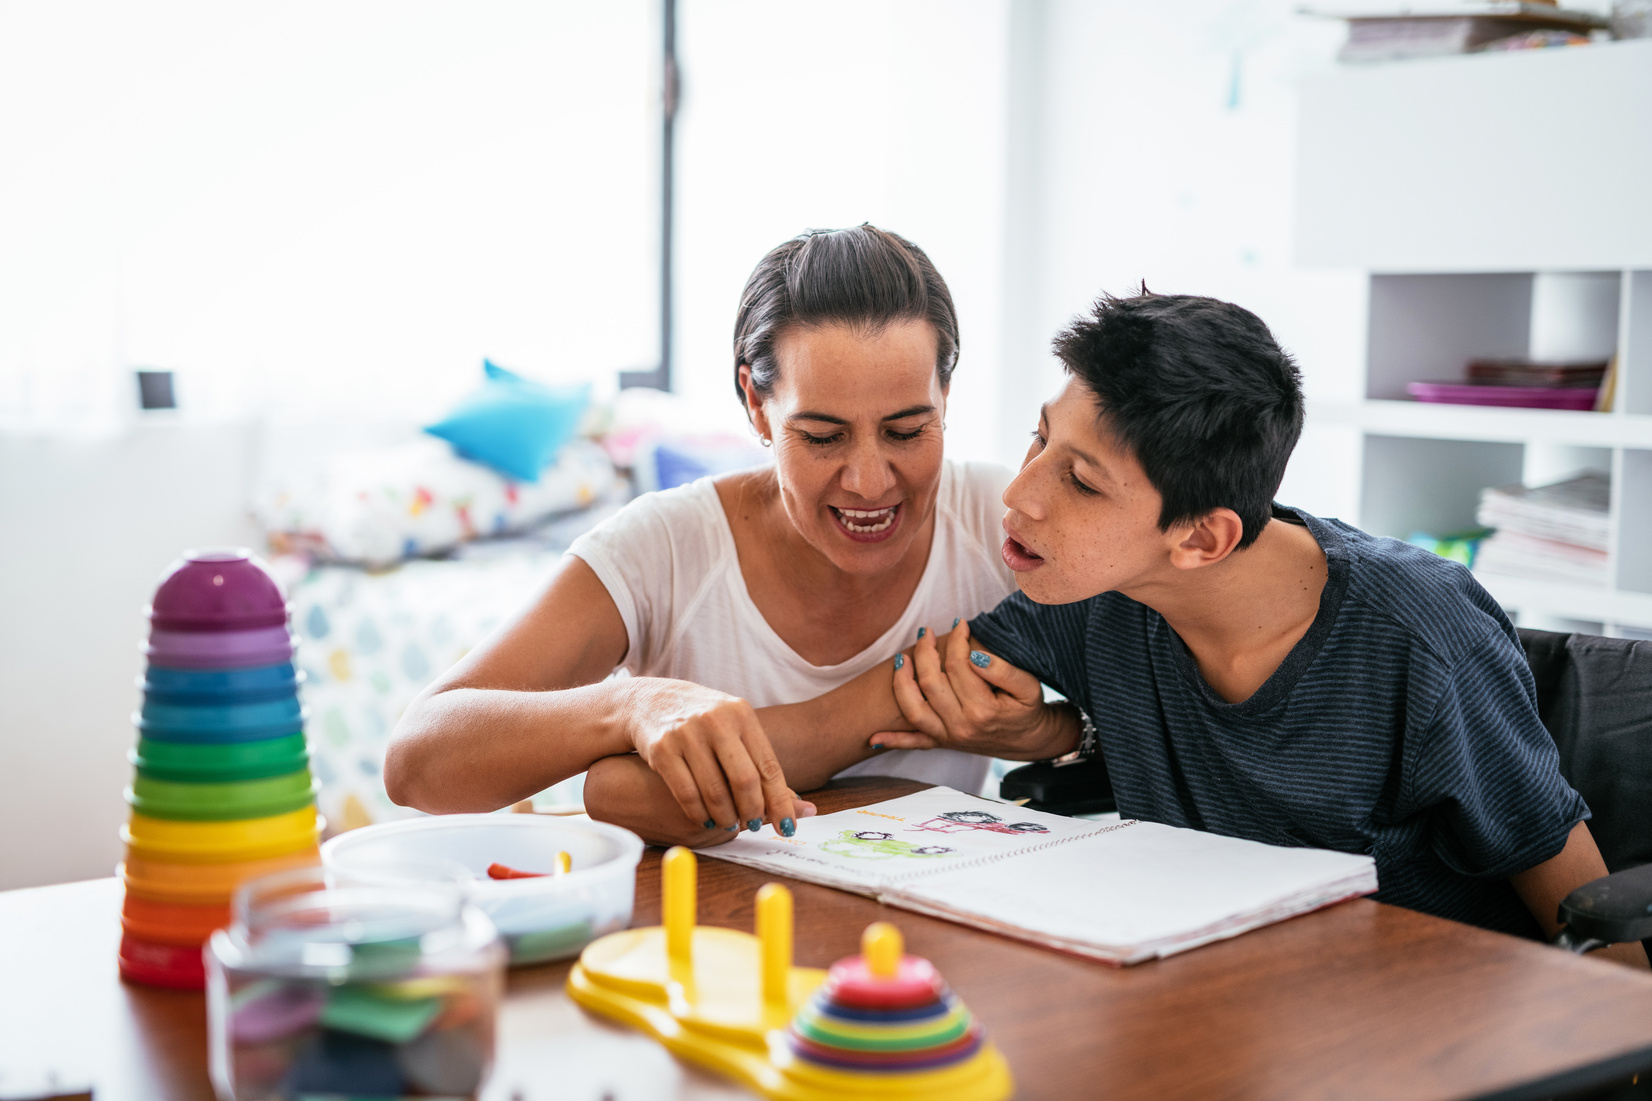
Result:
pixel 219 763
pixel 193 802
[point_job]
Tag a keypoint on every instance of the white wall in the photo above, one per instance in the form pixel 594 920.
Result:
pixel 91 521
pixel 1168 138
pixel 822 115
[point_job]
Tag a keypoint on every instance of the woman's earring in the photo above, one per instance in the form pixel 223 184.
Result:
pixel 767 442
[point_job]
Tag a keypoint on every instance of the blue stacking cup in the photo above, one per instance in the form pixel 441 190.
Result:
pixel 264 682
pixel 164 721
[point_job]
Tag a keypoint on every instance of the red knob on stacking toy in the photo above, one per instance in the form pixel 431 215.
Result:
pixel 884 1012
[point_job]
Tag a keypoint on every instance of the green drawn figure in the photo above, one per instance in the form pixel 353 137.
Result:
pixel 877 845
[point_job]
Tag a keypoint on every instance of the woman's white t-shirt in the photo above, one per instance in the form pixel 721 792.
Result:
pixel 669 562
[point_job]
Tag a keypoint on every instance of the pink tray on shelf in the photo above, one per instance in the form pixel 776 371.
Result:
pixel 1524 397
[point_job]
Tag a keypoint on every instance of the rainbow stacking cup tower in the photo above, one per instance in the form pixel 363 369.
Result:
pixel 222 792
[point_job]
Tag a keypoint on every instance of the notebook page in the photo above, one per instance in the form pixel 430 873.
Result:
pixel 870 849
pixel 1139 890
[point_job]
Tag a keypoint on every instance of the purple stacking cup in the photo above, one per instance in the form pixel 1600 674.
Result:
pixel 218 590
pixel 220 649
pixel 218 609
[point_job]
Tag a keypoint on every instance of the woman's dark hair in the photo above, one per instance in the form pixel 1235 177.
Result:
pixel 863 277
pixel 1201 394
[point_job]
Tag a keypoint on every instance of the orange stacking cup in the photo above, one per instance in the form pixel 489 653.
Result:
pixel 171 923
pixel 202 884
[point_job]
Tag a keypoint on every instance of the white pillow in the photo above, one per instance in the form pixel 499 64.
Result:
pixel 377 507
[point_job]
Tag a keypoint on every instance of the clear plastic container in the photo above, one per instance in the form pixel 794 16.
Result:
pixel 547 917
pixel 327 986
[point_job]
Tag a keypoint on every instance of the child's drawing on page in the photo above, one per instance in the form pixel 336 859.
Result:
pixel 960 821
pixel 877 845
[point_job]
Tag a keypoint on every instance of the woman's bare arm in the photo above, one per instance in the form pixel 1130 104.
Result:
pixel 530 707
pixel 813 741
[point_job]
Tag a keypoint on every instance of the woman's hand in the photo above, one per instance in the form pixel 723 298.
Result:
pixel 711 752
pixel 962 697
pixel 625 791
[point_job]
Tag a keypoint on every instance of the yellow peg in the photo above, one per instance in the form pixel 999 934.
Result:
pixel 883 947
pixel 680 910
pixel 564 863
pixel 774 933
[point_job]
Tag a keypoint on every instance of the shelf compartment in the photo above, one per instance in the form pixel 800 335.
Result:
pixel 1430 485
pixel 1557 598
pixel 1423 420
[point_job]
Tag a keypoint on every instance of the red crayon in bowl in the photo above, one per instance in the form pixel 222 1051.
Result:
pixel 564 863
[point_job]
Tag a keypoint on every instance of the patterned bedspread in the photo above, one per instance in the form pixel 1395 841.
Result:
pixel 371 641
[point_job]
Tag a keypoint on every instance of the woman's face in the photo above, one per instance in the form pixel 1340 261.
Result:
pixel 856 422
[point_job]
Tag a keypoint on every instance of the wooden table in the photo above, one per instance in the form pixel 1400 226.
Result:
pixel 1360 1000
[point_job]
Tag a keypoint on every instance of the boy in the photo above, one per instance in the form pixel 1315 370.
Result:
pixel 1249 669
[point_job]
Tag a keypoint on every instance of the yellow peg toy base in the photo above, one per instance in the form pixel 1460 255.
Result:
pixel 733 1003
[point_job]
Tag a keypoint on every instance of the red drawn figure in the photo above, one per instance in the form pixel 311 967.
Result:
pixel 956 821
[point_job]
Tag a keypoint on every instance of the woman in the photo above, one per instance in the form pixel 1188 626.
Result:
pixel 731 600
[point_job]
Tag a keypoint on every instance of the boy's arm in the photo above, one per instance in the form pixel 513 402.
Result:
pixel 818 738
pixel 1542 887
pixel 959 696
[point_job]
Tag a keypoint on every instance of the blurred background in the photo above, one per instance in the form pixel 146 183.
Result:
pixel 247 252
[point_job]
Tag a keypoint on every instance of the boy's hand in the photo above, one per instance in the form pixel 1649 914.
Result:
pixel 962 697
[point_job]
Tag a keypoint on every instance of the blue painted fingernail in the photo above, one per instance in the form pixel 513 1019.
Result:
pixel 732 829
pixel 710 824
pixel 900 660
pixel 957 620
pixel 979 660
pixel 922 631
pixel 878 745
pixel 787 827
pixel 754 825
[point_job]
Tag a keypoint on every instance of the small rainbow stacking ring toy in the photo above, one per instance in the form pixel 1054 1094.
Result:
pixel 222 792
pixel 881 1025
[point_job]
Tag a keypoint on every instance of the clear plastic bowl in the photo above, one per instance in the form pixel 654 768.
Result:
pixel 546 918
pixel 326 986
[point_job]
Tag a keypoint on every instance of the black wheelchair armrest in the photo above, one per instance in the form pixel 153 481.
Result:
pixel 1610 910
pixel 1070 787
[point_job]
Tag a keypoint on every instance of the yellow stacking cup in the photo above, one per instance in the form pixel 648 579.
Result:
pixel 202 884
pixel 183 842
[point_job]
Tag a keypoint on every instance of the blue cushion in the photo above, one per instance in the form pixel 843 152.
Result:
pixel 512 424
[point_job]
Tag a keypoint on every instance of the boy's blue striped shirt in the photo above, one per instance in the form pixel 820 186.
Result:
pixel 1403 724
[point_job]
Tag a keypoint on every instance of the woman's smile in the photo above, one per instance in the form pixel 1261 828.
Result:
pixel 867 525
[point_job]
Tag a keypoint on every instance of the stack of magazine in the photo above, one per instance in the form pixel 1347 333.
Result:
pixel 1556 532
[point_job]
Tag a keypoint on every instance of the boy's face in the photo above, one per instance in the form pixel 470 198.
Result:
pixel 1083 518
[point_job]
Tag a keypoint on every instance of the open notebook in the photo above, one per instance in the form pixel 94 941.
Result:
pixel 1120 892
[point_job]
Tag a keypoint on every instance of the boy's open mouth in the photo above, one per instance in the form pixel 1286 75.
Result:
pixel 866 525
pixel 1018 558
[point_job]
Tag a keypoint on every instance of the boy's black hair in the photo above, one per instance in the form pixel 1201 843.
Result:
pixel 1201 394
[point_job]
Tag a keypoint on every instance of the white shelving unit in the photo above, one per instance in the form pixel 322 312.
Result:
pixel 1502 205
